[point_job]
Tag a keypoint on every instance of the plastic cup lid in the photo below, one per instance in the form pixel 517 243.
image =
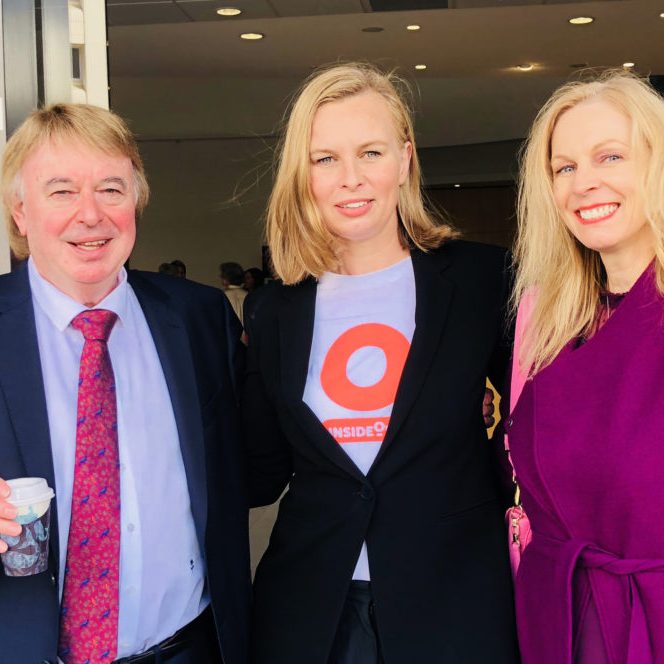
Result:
pixel 28 490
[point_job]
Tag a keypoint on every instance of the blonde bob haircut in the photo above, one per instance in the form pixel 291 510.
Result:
pixel 95 127
pixel 300 244
pixel 565 275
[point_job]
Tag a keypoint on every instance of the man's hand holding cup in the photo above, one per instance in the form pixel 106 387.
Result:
pixel 7 515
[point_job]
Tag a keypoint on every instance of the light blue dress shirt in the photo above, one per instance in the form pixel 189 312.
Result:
pixel 162 573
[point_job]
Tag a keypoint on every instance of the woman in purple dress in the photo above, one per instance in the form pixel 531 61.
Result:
pixel 587 434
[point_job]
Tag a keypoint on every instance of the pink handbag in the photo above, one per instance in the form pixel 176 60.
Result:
pixel 519 533
pixel 518 525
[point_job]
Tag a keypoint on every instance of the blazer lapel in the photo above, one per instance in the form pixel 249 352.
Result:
pixel 433 294
pixel 22 385
pixel 172 343
pixel 296 328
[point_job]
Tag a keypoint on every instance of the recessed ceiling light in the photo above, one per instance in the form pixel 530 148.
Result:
pixel 629 65
pixel 456 186
pixel 252 36
pixel 525 67
pixel 414 27
pixel 420 67
pixel 229 11
pixel 661 15
pixel 581 20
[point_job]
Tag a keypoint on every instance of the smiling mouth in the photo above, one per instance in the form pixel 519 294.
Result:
pixel 354 205
pixel 90 245
pixel 598 212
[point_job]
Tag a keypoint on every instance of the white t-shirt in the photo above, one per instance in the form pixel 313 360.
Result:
pixel 362 332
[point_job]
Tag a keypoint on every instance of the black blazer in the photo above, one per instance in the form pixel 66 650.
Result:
pixel 194 331
pixel 429 508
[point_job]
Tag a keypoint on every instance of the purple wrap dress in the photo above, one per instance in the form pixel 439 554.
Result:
pixel 587 443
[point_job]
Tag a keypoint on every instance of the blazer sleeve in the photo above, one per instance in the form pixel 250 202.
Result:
pixel 269 457
pixel 502 353
pixel 236 349
pixel 499 375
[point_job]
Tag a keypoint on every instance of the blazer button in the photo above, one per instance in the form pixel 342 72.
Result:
pixel 366 492
pixel 509 423
pixel 52 577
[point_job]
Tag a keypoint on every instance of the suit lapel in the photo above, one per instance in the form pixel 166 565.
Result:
pixel 172 343
pixel 296 328
pixel 22 385
pixel 433 294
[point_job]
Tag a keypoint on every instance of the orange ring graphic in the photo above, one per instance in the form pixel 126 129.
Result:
pixel 334 379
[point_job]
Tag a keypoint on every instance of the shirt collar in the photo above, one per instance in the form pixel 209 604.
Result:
pixel 61 308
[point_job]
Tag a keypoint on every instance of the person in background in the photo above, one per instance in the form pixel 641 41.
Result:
pixel 232 280
pixel 168 268
pixel 253 279
pixel 180 268
pixel 586 433
pixel 254 282
pixel 364 391
pixel 117 388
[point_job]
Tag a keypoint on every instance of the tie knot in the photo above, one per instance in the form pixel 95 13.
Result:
pixel 95 324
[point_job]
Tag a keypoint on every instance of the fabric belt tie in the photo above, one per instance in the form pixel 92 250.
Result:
pixel 632 644
pixel 639 650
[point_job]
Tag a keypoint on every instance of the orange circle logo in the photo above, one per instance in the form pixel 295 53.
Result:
pixel 334 378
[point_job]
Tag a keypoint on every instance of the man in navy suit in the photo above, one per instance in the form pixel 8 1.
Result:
pixel 73 182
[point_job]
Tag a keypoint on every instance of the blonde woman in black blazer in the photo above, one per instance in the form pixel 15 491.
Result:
pixel 392 552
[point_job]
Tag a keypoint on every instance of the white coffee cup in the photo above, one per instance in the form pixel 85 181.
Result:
pixel 28 552
pixel 31 496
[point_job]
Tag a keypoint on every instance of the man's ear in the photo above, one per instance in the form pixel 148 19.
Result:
pixel 18 215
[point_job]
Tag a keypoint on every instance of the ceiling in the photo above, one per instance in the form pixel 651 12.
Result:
pixel 178 70
pixel 136 12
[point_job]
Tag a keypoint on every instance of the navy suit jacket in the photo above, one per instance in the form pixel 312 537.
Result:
pixel 196 336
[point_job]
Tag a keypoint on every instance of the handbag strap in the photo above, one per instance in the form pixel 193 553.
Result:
pixel 519 375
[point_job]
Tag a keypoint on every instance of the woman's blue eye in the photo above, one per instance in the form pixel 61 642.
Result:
pixel 568 168
pixel 372 153
pixel 324 160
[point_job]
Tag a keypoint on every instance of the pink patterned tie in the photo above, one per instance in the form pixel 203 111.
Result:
pixel 89 613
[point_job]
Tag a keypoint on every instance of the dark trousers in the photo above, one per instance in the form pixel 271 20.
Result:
pixel 356 641
pixel 195 643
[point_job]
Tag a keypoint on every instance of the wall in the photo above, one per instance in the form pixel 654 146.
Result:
pixel 485 214
pixel 193 215
pixel 448 111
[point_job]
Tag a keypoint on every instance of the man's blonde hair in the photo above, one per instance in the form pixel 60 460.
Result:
pixel 567 276
pixel 300 244
pixel 93 126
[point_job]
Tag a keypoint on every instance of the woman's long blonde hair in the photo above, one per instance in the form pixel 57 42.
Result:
pixel 565 275
pixel 300 244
